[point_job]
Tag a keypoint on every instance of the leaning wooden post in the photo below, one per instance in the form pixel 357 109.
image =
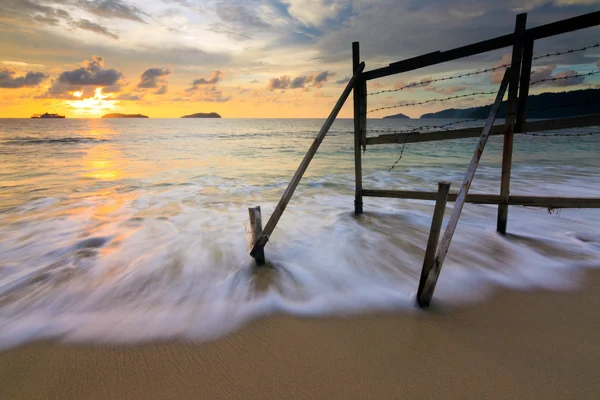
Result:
pixel 255 231
pixel 511 110
pixel 289 191
pixel 524 84
pixel 358 124
pixel 434 235
pixel 440 255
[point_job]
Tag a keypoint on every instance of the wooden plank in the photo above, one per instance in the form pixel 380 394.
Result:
pixel 434 235
pixel 524 85
pixel 289 191
pixel 494 199
pixel 442 251
pixel 564 26
pixel 358 202
pixel 533 126
pixel 540 32
pixel 254 233
pixel 511 111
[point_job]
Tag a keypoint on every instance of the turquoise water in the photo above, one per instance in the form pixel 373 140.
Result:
pixel 130 230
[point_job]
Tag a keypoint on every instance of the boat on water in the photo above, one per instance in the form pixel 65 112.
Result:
pixel 46 115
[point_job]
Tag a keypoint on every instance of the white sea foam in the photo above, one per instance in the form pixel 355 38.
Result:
pixel 143 251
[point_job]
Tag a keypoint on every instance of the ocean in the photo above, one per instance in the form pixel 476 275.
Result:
pixel 124 231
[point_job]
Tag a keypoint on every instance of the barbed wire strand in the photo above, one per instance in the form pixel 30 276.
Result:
pixel 446 78
pixel 418 103
pixel 560 53
pixel 564 77
pixel 425 127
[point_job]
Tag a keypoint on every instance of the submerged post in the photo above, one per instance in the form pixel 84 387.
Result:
pixel 359 123
pixel 511 110
pixel 254 233
pixel 434 235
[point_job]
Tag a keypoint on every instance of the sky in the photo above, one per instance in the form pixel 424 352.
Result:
pixel 261 58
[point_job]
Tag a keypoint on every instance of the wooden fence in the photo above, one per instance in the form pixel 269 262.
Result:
pixel 516 80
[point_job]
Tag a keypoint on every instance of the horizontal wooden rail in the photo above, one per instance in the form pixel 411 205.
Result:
pixel 438 57
pixel 531 201
pixel 534 126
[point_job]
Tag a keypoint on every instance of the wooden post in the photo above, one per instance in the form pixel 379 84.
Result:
pixel 358 118
pixel 434 235
pixel 440 256
pixel 511 110
pixel 524 84
pixel 289 191
pixel 255 232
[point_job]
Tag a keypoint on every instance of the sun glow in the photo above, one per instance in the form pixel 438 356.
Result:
pixel 95 105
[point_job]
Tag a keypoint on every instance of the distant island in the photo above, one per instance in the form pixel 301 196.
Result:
pixel 397 116
pixel 545 105
pixel 117 115
pixel 203 115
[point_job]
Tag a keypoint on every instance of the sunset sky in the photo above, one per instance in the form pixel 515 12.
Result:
pixel 257 58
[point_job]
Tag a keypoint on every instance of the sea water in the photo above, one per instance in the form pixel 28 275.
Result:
pixel 134 230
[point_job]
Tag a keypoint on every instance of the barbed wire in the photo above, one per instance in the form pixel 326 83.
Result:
pixel 418 103
pixel 401 153
pixel 446 78
pixel 562 134
pixel 560 53
pixel 425 127
pixel 564 77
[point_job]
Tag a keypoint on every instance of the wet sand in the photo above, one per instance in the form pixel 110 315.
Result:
pixel 514 346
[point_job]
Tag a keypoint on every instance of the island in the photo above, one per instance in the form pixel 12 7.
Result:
pixel 545 105
pixel 203 115
pixel 397 116
pixel 117 115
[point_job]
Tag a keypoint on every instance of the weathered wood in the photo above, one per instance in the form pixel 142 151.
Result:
pixel 289 191
pixel 438 57
pixel 511 111
pixel 254 233
pixel 527 127
pixel 434 235
pixel 442 250
pixel 524 84
pixel 493 199
pixel 358 202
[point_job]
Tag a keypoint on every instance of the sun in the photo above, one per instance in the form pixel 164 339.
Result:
pixel 94 105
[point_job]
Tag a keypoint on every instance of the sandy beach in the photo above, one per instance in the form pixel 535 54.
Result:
pixel 518 345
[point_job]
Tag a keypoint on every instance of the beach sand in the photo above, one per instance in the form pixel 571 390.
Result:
pixel 516 345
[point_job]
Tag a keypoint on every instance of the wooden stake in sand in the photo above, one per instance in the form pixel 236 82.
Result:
pixel 255 232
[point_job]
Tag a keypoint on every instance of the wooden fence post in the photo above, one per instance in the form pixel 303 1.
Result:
pixel 312 150
pixel 255 232
pixel 511 109
pixel 524 84
pixel 442 251
pixel 434 235
pixel 359 116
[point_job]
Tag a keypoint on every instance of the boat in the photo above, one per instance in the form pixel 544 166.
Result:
pixel 46 115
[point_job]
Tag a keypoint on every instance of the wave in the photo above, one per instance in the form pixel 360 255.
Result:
pixel 62 140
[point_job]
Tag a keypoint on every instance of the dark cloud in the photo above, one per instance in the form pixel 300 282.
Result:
pixel 111 9
pixel 91 76
pixel 321 78
pixel 94 27
pixel 9 80
pixel 215 77
pixel 128 97
pixel 575 80
pixel 343 81
pixel 153 78
pixel 300 81
pixel 162 89
pixel 240 16
pixel 283 82
pixel 30 10
pixel 541 73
